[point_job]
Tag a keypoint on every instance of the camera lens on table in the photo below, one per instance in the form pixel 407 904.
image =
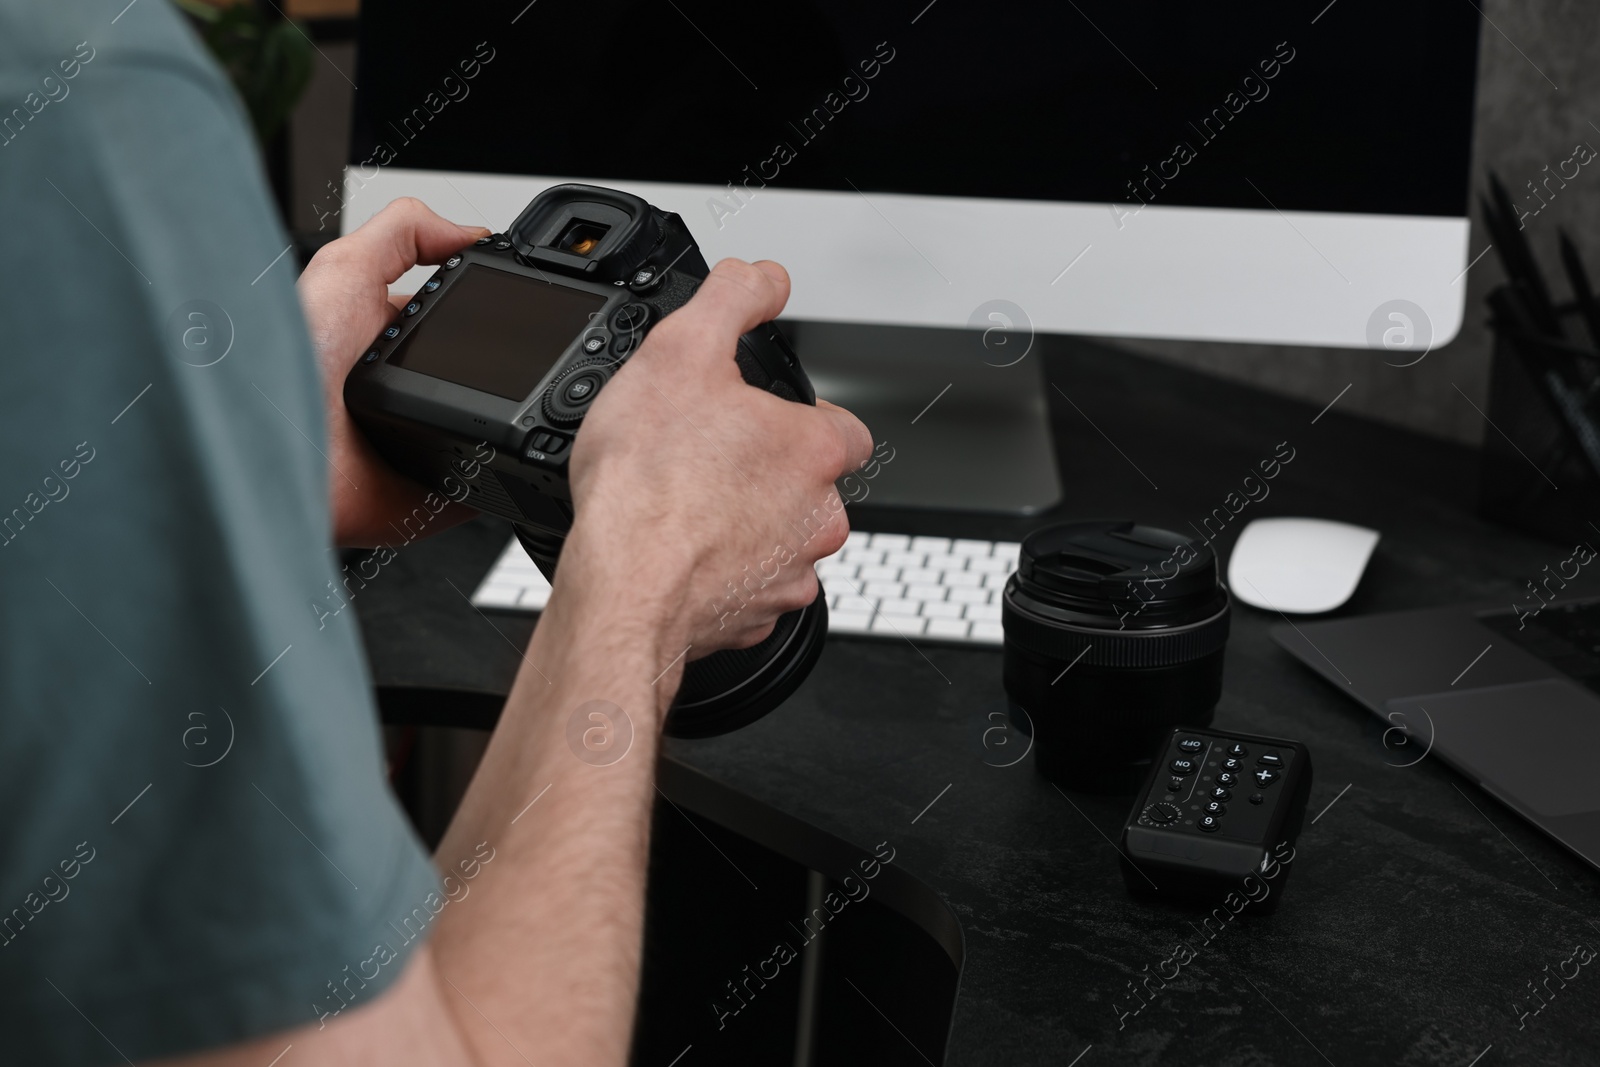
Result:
pixel 1114 634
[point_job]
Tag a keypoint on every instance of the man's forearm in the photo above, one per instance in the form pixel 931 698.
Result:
pixel 546 945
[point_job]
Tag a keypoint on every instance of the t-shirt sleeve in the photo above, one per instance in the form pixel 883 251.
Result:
pixel 200 844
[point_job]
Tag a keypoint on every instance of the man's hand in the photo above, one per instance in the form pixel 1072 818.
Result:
pixel 345 294
pixel 701 500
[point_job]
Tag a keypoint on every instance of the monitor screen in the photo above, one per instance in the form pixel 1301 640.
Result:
pixel 1244 171
pixel 1359 109
pixel 496 331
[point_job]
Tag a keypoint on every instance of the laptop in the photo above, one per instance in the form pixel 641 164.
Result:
pixel 1510 700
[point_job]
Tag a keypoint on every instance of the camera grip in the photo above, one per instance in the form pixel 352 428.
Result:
pixel 734 687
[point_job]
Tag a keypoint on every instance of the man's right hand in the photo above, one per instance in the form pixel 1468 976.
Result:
pixel 704 501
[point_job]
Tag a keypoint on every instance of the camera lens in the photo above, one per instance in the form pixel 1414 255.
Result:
pixel 1114 634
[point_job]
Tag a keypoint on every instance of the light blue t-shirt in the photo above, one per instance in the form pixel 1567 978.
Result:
pixel 199 844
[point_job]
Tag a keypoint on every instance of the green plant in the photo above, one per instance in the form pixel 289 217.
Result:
pixel 268 58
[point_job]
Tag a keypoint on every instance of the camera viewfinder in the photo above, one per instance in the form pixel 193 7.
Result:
pixel 581 237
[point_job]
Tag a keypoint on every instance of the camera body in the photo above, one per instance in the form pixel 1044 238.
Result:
pixel 480 385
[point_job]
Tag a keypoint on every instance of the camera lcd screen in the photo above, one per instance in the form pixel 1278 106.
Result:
pixel 497 332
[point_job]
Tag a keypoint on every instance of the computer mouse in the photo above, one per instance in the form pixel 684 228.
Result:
pixel 1303 566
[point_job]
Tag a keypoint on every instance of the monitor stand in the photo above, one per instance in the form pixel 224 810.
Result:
pixel 969 425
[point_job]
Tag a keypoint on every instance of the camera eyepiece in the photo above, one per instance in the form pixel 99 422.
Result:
pixel 584 229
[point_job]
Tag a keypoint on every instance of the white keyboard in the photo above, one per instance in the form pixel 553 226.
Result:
pixel 879 585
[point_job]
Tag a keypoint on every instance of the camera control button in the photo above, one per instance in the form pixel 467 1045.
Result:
pixel 1174 785
pixel 581 389
pixel 1191 744
pixel 372 355
pixel 483 240
pixel 413 307
pixel 1227 778
pixel 1265 778
pixel 1236 749
pixel 452 263
pixel 1210 823
pixel 392 332
pixel 1219 793
pixel 596 343
pixel 1232 764
pixel 645 279
pixel 431 285
pixel 569 397
pixel 1215 807
pixel 1271 759
pixel 1182 766
pixel 629 317
pixel 1256 798
pixel 502 245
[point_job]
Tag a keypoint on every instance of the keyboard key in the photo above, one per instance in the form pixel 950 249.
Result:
pixel 939 609
pixel 972 548
pixel 959 579
pixel 899 607
pixel 988 633
pixel 919 576
pixel 988 565
pixel 950 628
pixel 848 622
pixel 497 596
pixel 835 571
pixel 850 604
pixel 925 592
pixel 938 561
pixel 535 597
pixel 930 544
pixel 899 625
pixel 865 556
pixel 892 590
pixel 961 595
pixel 995 581
pixel 983 612
pixel 891 542
pixel 904 559
pixel 880 574
pixel 857 539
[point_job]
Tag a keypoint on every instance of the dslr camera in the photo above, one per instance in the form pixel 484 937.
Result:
pixel 480 385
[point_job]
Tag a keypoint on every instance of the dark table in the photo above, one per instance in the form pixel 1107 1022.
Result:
pixel 1419 908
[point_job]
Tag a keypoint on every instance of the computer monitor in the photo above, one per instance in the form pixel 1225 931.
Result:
pixel 944 178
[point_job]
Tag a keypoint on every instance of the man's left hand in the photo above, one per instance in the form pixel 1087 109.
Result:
pixel 345 294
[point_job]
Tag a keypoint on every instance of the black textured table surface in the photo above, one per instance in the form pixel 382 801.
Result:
pixel 1419 910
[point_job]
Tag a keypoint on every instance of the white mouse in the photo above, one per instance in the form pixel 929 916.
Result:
pixel 1304 566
